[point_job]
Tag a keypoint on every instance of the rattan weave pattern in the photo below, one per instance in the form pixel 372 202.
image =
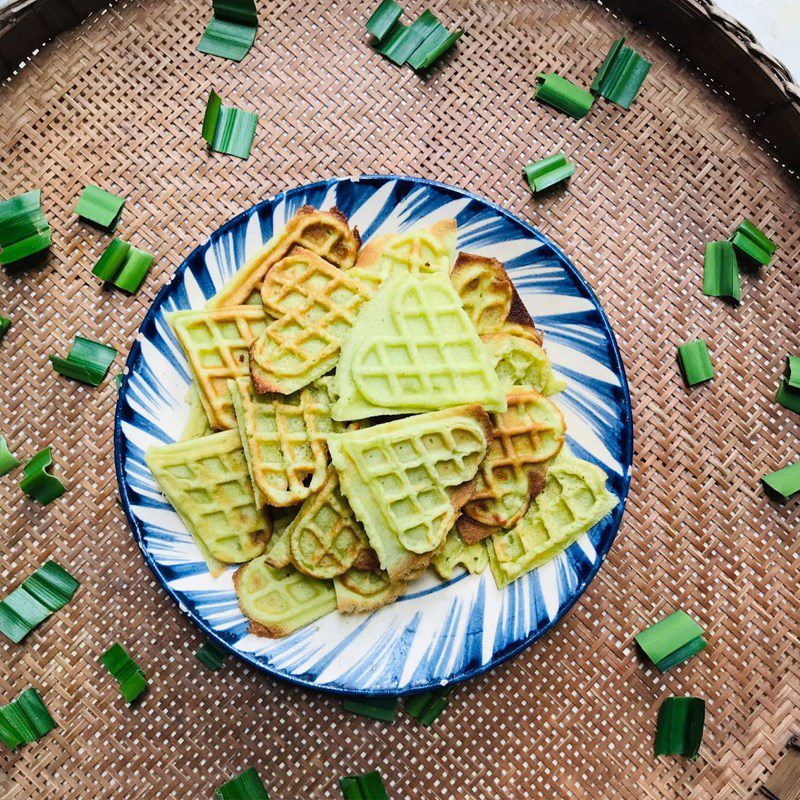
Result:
pixel 119 102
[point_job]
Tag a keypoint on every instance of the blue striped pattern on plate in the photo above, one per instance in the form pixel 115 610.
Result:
pixel 439 632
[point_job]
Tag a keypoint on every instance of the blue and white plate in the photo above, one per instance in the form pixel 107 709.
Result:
pixel 438 632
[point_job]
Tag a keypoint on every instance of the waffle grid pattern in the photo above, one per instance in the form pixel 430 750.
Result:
pixel 485 292
pixel 119 102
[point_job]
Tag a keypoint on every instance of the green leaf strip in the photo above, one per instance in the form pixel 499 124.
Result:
pixel 426 707
pixel 382 708
pixel 437 43
pixel 695 362
pixel 363 787
pixel 679 730
pixel 548 172
pixel 781 485
pixel 43 593
pixel 384 19
pixel 793 372
pixel 100 207
pixel 7 459
pixel 5 324
pixel 123 265
pixel 753 245
pixel 227 129
pixel 211 655
pixel 227 39
pixel 402 44
pixel 25 720
pixel 87 361
pixel 125 671
pixel 621 75
pixel 720 272
pixel 563 94
pixel 23 228
pixel 37 482
pixel 671 641
pixel 246 786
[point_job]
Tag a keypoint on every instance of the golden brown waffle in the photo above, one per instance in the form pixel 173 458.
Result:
pixel 284 439
pixel 326 539
pixel 525 437
pixel 216 343
pixel 485 290
pixel 359 591
pixel 314 305
pixel 325 233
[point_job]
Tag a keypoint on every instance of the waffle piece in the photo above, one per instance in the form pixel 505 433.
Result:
pixel 284 440
pixel 473 532
pixel 429 249
pixel 280 601
pixel 473 557
pixel 524 438
pixel 326 539
pixel 406 480
pixel 573 500
pixel 485 290
pixel 197 423
pixel 216 344
pixel 325 233
pixel 207 482
pixel 412 349
pixel 314 305
pixel 359 591
pixel 519 360
pixel 277 553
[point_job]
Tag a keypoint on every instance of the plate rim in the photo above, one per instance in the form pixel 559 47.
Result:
pixel 496 660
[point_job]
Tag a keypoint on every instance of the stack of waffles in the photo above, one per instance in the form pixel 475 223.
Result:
pixel 361 414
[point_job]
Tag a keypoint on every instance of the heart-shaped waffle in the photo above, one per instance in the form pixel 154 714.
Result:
pixel 485 290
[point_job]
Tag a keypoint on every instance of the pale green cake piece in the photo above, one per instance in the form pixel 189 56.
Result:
pixel 280 601
pixel 207 482
pixel 406 480
pixel 473 557
pixel 520 361
pixel 573 500
pixel 413 349
pixel 359 590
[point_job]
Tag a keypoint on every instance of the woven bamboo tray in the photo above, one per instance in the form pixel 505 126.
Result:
pixel 118 102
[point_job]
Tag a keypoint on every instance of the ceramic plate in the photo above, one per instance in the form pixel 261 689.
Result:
pixel 438 632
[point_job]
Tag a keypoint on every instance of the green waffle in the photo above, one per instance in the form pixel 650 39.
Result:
pixel 519 361
pixel 574 499
pixel 277 553
pixel 284 440
pixel 326 539
pixel 207 482
pixel 405 480
pixel 359 590
pixel 456 551
pixel 280 601
pixel 413 349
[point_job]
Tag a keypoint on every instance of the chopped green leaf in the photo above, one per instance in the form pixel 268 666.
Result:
pixel 549 171
pixel 427 706
pixel 384 18
pixel 5 324
pixel 118 378
pixel 679 730
pixel 376 707
pixel 621 74
pixel 781 485
pixel 123 265
pixel 246 786
pixel 720 272
pixel 752 244
pixel 211 655
pixel 232 29
pixel 672 640
pixel 400 46
pixel 43 593
pixel 23 228
pixel 437 43
pixel 7 460
pixel 788 397
pixel 793 372
pixel 695 362
pixel 38 482
pixel 125 671
pixel 363 787
pixel 87 361
pixel 563 94
pixel 227 129
pixel 24 720
pixel 100 207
